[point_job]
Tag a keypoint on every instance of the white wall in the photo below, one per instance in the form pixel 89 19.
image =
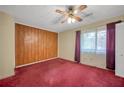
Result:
pixel 67 44
pixel 7 45
pixel 93 59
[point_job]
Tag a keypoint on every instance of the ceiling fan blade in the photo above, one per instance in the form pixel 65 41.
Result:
pixel 82 7
pixel 63 21
pixel 84 15
pixel 59 11
pixel 58 19
pixel 89 14
pixel 77 18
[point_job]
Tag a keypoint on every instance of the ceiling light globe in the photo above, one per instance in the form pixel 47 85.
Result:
pixel 69 20
pixel 73 20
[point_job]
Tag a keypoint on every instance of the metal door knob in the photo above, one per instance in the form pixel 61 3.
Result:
pixel 121 55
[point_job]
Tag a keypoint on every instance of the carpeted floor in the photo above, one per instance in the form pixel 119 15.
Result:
pixel 60 72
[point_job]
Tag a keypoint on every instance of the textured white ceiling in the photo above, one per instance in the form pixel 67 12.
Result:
pixel 44 16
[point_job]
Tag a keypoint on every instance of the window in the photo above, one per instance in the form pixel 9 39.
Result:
pixel 88 42
pixel 94 41
pixel 101 41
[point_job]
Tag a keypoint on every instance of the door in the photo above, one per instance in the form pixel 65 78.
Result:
pixel 119 65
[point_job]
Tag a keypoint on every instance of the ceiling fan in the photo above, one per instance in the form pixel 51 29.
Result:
pixel 71 13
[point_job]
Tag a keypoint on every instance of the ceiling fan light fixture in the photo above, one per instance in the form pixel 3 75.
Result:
pixel 73 20
pixel 71 15
pixel 69 20
pixel 75 11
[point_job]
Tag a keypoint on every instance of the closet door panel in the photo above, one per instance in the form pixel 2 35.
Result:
pixel 119 67
pixel 34 44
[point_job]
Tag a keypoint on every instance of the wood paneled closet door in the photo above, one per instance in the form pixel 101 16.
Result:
pixel 34 44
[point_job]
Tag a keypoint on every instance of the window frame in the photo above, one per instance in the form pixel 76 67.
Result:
pixel 96 30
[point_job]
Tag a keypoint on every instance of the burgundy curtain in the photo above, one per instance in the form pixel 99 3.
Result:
pixel 77 47
pixel 110 48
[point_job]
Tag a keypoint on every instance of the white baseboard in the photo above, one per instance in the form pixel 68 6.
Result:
pixel 119 74
pixel 7 74
pixel 36 62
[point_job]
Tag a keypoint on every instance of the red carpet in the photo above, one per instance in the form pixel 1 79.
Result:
pixel 59 72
